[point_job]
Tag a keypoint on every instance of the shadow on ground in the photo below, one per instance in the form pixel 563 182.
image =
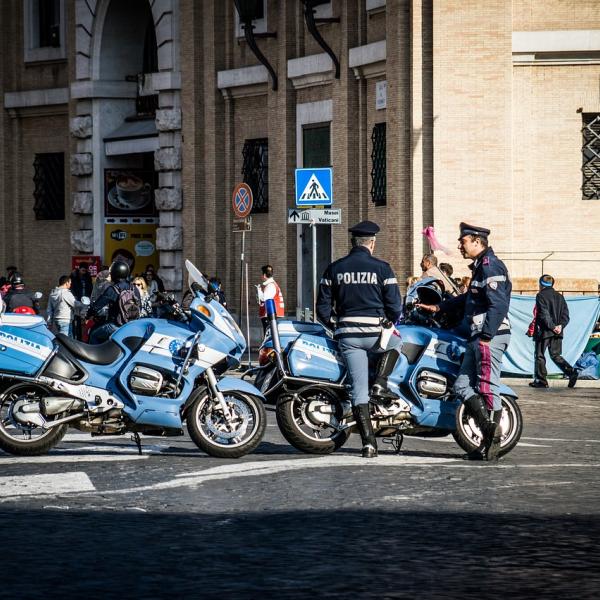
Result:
pixel 325 554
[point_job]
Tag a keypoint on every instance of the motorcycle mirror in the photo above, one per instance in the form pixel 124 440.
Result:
pixel 37 295
pixel 85 301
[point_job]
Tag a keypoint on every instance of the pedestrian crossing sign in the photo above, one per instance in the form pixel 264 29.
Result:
pixel 314 187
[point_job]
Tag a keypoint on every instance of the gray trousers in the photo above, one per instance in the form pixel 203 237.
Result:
pixel 356 351
pixel 480 371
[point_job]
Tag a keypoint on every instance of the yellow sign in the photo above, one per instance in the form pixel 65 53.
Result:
pixel 133 243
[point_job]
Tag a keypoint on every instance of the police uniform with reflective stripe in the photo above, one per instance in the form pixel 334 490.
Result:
pixel 358 291
pixel 485 308
pixel 485 305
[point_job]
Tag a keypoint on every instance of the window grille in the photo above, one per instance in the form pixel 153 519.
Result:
pixel 378 175
pixel 255 172
pixel 591 156
pixel 49 23
pixel 49 191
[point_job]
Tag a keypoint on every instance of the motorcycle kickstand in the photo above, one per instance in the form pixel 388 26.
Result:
pixel 138 440
pixel 396 442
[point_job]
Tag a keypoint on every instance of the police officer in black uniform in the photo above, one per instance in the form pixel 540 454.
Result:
pixel 360 294
pixel 485 309
pixel 19 295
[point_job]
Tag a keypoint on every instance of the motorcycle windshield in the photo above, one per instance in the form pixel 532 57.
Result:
pixel 215 313
pixel 195 276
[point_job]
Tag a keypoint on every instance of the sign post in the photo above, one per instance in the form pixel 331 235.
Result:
pixel 314 187
pixel 241 202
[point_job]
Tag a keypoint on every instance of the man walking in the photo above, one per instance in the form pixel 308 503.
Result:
pixel 361 292
pixel 269 289
pixel 551 316
pixel 485 309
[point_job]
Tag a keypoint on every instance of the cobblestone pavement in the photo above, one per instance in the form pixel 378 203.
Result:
pixel 94 519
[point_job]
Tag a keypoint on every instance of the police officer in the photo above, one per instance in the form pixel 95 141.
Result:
pixel 485 312
pixel 19 295
pixel 360 293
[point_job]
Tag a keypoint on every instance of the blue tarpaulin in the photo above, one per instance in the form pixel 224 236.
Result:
pixel 583 312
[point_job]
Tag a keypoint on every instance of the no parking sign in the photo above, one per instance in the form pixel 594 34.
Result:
pixel 241 200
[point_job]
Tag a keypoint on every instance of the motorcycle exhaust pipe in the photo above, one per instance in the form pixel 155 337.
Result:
pixel 272 315
pixel 53 405
pixel 58 422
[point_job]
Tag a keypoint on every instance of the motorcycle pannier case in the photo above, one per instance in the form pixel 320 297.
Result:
pixel 316 357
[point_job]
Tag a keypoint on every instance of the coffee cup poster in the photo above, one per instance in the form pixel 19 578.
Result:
pixel 129 193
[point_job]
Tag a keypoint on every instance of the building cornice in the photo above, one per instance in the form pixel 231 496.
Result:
pixel 308 71
pixel 369 60
pixel 243 82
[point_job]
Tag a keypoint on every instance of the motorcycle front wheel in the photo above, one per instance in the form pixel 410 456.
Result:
pixel 304 420
pixel 26 438
pixel 468 436
pixel 225 436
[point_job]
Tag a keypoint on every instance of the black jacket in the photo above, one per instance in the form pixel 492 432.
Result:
pixel 550 310
pixel 359 285
pixel 21 297
pixel 485 304
pixel 110 297
pixel 81 286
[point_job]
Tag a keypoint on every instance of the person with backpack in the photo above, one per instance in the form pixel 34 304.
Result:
pixel 119 303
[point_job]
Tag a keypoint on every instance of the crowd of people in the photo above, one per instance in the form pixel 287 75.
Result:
pixel 66 312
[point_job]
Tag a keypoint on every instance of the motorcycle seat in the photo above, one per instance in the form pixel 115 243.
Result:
pixel 100 354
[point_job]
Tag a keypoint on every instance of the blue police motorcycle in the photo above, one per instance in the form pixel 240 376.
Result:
pixel 302 372
pixel 148 378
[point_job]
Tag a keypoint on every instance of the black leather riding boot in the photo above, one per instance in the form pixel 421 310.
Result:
pixel 493 445
pixel 365 427
pixel 386 366
pixel 490 430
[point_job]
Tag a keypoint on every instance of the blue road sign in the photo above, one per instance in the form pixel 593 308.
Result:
pixel 314 187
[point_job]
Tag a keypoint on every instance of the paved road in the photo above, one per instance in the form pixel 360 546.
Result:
pixel 95 519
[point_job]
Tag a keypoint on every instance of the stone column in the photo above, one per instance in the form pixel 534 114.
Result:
pixel 168 157
pixel 82 200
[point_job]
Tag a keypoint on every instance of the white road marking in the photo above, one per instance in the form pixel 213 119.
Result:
pixel 450 440
pixel 69 458
pixel 270 467
pixel 576 404
pixel 557 440
pixel 530 445
pixel 46 484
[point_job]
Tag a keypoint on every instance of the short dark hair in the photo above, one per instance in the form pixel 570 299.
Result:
pixel 446 269
pixel 267 270
pixel 12 268
pixel 481 238
pixel 547 280
pixel 84 265
pixel 63 279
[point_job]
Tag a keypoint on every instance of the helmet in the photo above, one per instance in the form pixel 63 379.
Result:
pixel 119 271
pixel 16 279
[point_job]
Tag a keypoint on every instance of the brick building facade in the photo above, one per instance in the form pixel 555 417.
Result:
pixel 442 111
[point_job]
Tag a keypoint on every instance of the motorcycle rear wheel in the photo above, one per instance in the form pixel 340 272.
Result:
pixel 468 436
pixel 26 440
pixel 211 432
pixel 300 432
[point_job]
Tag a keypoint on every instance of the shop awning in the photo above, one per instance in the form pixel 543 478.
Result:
pixel 132 137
